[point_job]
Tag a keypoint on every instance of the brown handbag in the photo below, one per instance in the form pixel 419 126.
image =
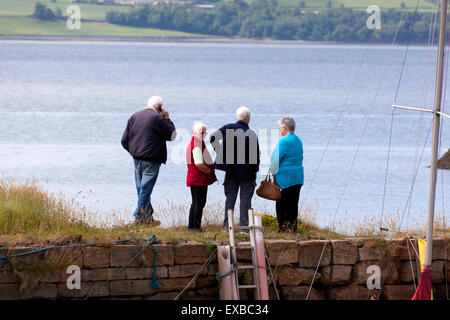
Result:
pixel 269 189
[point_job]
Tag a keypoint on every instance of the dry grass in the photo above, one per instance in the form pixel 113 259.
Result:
pixel 29 215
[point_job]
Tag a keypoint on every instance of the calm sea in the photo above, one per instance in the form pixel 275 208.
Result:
pixel 64 106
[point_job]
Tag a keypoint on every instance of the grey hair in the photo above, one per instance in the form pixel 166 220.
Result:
pixel 242 113
pixel 154 101
pixel 288 123
pixel 198 127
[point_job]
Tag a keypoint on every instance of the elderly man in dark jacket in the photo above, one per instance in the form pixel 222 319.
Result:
pixel 238 155
pixel 145 139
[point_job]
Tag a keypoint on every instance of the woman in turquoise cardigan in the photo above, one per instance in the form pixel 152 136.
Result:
pixel 287 166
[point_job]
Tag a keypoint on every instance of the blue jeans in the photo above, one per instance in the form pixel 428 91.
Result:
pixel 145 174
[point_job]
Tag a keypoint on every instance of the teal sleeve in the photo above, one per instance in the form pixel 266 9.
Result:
pixel 275 160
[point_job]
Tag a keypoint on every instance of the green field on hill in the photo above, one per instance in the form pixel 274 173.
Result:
pixel 15 17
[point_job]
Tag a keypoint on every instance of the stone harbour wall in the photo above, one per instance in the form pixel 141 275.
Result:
pixel 125 271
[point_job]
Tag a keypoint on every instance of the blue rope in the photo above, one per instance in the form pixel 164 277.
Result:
pixel 150 241
pixel 220 276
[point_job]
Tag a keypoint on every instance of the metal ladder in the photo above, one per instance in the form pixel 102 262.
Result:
pixel 254 266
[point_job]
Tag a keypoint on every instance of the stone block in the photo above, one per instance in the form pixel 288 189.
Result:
pixel 9 291
pixel 64 257
pixel 244 255
pixel 437 274
pixel 166 255
pixel 344 251
pixel 186 270
pixel 300 293
pixel 42 291
pixel 212 269
pixel 310 251
pixel 371 250
pixel 126 255
pixel 351 292
pixel 439 250
pixel 96 257
pixel 7 277
pixel 202 294
pixel 131 287
pixel 191 252
pixel 162 296
pixel 29 259
pixel 281 252
pixel 103 274
pixel 398 292
pixel 146 272
pixel 88 290
pixel 173 284
pixel 290 276
pixel 336 275
pixel 207 282
pixel 406 274
pixel 59 275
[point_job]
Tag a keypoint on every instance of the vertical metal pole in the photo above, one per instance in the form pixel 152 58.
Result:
pixel 252 233
pixel 233 247
pixel 436 124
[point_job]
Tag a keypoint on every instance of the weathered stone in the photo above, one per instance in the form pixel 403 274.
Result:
pixel 126 255
pixel 64 257
pixel 7 277
pixel 202 294
pixel 244 255
pixel 389 273
pixel 281 252
pixel 352 292
pixel 191 252
pixel 407 271
pixel 440 292
pixel 300 293
pixel 29 259
pixel 186 270
pixel 59 275
pixel 42 291
pixel 400 248
pixel 102 274
pixel 344 251
pixel 130 287
pixel 336 275
pixel 437 274
pixel 166 255
pixel 146 272
pixel 291 276
pixel 310 252
pixel 162 296
pixel 439 250
pixel 371 250
pixel 87 290
pixel 96 257
pixel 207 282
pixel 398 292
pixel 9 291
pixel 212 269
pixel 172 284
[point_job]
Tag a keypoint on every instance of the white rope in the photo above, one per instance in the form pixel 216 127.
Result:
pixel 359 145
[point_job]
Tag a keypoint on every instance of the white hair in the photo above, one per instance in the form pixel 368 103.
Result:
pixel 242 113
pixel 198 128
pixel 288 123
pixel 154 101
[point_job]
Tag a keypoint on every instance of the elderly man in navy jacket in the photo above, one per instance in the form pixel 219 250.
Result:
pixel 145 139
pixel 237 155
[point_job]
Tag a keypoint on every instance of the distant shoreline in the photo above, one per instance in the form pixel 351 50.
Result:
pixel 155 39
pixel 174 39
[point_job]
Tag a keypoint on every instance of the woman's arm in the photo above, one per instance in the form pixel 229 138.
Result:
pixel 198 160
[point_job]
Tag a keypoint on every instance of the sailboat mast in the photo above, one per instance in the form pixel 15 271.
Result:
pixel 436 124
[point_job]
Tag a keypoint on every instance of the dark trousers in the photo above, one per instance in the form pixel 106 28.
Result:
pixel 232 184
pixel 198 203
pixel 287 208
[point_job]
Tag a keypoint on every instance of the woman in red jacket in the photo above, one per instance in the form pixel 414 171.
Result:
pixel 200 175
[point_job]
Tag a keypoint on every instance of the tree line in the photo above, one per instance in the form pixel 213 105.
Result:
pixel 268 19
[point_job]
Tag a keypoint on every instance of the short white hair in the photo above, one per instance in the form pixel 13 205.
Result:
pixel 288 123
pixel 242 113
pixel 154 101
pixel 198 127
